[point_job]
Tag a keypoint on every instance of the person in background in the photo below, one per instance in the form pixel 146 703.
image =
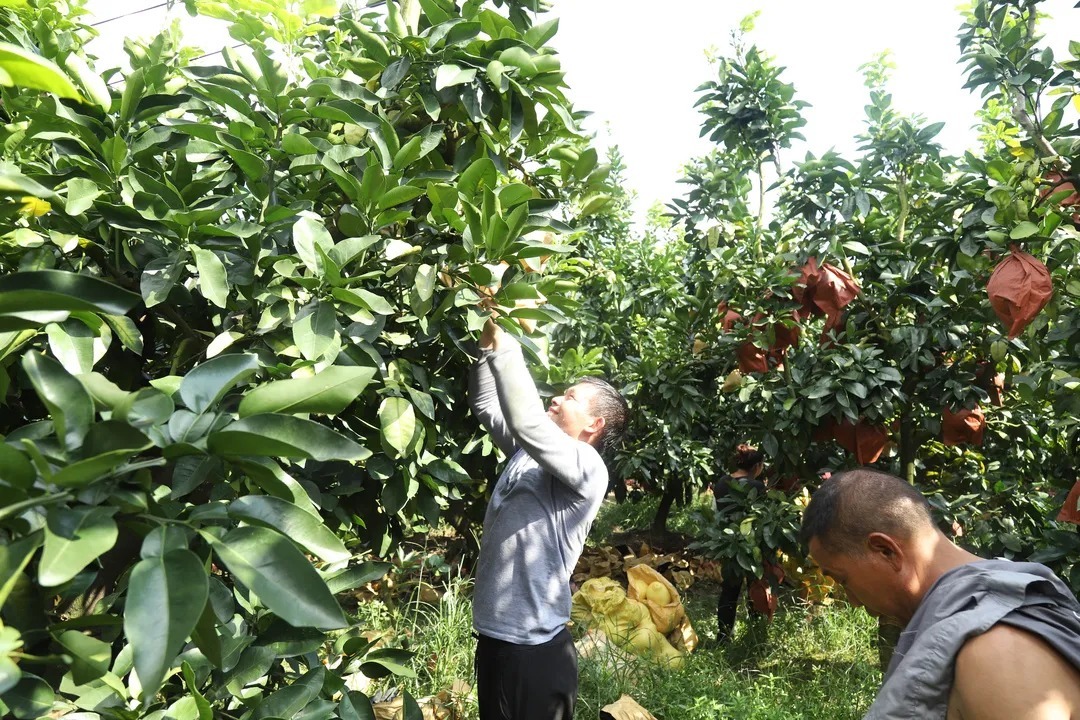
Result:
pixel 535 527
pixel 982 639
pixel 749 462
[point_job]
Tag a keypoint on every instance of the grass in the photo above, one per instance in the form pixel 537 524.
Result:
pixel 809 662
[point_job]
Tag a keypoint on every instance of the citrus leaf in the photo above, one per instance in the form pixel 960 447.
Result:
pixel 275 570
pixel 277 435
pixel 329 392
pixel 74 538
pixel 208 383
pixel 302 527
pixel 397 419
pixel 166 595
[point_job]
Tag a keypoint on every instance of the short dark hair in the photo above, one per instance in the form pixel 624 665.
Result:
pixel 747 457
pixel 850 505
pixel 610 405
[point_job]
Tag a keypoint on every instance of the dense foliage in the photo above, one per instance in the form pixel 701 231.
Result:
pixel 235 315
pixel 836 311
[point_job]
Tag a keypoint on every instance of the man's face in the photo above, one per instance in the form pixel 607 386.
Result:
pixel 571 411
pixel 870 579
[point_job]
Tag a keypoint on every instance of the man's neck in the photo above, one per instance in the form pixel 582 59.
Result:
pixel 938 556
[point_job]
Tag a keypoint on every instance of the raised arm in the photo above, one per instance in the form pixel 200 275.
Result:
pixel 571 461
pixel 484 400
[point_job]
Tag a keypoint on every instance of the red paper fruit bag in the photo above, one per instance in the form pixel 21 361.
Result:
pixel 1019 288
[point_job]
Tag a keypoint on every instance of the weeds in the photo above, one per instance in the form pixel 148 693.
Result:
pixel 809 662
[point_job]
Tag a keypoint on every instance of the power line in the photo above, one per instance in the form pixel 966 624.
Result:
pixel 133 12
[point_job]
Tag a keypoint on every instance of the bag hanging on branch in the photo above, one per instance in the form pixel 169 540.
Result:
pixel 728 318
pixel 1070 511
pixel 1019 288
pixel 963 426
pixel 993 382
pixel 824 290
pixel 866 441
pixel 752 359
pixel 785 335
pixel 762 598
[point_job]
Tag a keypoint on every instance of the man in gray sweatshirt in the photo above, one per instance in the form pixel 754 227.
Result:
pixel 535 527
pixel 982 639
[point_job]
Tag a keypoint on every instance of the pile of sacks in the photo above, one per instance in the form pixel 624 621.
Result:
pixel 648 620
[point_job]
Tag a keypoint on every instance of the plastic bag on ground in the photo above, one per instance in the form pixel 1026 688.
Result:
pixel 625 709
pixel 659 595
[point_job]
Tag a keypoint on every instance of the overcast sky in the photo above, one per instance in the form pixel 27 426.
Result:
pixel 635 65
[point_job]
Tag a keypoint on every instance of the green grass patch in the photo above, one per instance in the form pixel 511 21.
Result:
pixel 809 662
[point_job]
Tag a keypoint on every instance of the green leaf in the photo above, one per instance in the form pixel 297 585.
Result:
pixel 10 642
pixel 538 35
pixel 450 75
pixel 61 290
pixel 128 332
pixel 95 87
pixel 158 279
pixel 1023 230
pixel 66 399
pixel 13 182
pixel 22 68
pixel 208 383
pixel 309 232
pixel 84 472
pixel 856 247
pixel 30 698
pixel 250 164
pixel 594 204
pixel 16 469
pixel 288 701
pixel 75 345
pixel 212 277
pixel 388 661
pixel 166 595
pixel 74 538
pixel 354 577
pixel 328 393
pixel 276 435
pixel 355 705
pixel 275 570
pixel 81 194
pixel 298 525
pixel 365 299
pixel 315 331
pixel 14 557
pixel 410 708
pixel 398 195
pixel 397 418
pixel 92 657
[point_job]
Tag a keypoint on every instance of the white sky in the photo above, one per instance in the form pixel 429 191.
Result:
pixel 635 65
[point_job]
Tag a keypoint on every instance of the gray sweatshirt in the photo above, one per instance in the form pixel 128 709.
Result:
pixel 966 602
pixel 540 510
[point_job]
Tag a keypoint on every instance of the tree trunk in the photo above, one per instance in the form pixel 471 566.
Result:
pixel 908 447
pixel 887 637
pixel 672 490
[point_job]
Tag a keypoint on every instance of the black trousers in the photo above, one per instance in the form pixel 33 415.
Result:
pixel 527 682
pixel 730 591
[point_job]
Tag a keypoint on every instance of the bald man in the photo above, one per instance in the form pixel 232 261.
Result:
pixel 982 639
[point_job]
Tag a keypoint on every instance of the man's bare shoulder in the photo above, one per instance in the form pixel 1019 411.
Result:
pixel 1009 673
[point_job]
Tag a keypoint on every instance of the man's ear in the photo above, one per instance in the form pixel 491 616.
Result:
pixel 885 548
pixel 596 426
